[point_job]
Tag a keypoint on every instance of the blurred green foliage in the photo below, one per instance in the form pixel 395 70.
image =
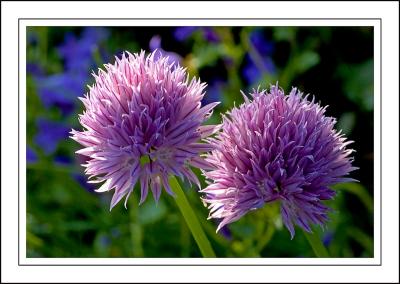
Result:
pixel 66 219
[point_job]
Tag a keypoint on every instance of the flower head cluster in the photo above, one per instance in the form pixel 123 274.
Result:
pixel 276 148
pixel 142 123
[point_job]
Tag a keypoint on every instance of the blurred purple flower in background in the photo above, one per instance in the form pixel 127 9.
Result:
pixel 184 33
pixel 31 156
pixel 143 123
pixel 63 160
pixel 77 53
pixel 105 241
pixel 62 89
pixel 277 148
pixel 49 134
pixel 253 72
pixel 259 60
pixel 210 35
pixel 327 238
pixel 214 92
pixel 34 69
pixel 155 44
pixel 260 43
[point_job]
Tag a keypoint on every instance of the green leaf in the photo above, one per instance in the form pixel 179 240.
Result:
pixel 347 122
pixel 206 55
pixel 359 83
pixel 306 60
pixel 284 33
pixel 362 238
pixel 358 190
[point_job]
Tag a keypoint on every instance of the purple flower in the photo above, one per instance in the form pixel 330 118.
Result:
pixel 142 123
pixel 327 238
pixel 210 35
pixel 253 72
pixel 61 90
pixel 31 156
pixel 183 33
pixel 77 52
pixel 261 61
pixel 155 44
pixel 214 92
pixel 62 160
pixel 34 69
pixel 49 134
pixel 277 148
pixel 260 43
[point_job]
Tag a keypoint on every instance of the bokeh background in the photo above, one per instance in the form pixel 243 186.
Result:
pixel 66 218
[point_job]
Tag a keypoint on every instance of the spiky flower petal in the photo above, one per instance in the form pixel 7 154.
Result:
pixel 276 148
pixel 143 122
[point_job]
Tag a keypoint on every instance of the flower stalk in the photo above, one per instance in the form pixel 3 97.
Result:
pixel 316 244
pixel 191 219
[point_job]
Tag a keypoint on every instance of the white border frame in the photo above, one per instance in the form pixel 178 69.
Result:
pixel 387 11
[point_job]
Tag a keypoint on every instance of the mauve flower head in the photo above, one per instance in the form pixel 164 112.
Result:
pixel 143 123
pixel 276 148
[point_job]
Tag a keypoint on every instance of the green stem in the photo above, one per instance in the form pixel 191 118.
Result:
pixel 265 238
pixel 185 239
pixel 191 219
pixel 316 244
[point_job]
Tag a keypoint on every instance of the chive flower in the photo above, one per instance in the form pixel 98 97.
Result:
pixel 276 148
pixel 142 123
